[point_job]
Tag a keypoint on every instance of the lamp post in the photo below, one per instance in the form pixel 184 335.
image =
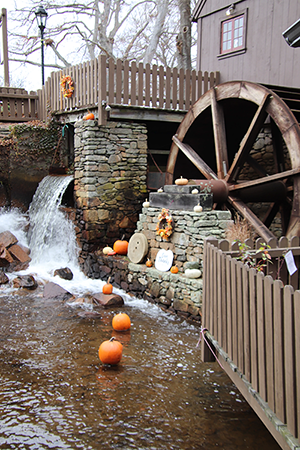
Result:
pixel 41 17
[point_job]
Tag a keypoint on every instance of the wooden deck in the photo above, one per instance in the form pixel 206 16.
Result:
pixel 129 90
pixel 252 320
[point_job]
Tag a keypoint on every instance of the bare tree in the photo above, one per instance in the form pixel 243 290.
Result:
pixel 144 30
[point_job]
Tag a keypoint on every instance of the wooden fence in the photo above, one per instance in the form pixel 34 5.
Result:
pixel 253 321
pixel 16 105
pixel 101 82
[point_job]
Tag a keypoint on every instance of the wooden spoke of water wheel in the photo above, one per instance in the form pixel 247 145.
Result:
pixel 281 189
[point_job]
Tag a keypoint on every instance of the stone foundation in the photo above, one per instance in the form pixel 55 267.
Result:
pixel 173 292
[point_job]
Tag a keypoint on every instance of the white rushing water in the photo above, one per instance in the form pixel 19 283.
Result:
pixel 51 237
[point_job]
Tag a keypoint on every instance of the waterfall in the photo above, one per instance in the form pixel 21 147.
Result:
pixel 51 236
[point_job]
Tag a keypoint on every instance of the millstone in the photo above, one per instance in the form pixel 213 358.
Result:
pixel 137 248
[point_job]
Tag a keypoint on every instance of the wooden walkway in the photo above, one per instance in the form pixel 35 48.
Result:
pixel 252 320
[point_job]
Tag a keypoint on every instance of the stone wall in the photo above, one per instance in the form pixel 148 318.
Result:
pixel 173 292
pixel 110 180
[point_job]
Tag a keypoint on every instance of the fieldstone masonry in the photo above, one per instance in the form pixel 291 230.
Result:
pixel 110 180
pixel 173 292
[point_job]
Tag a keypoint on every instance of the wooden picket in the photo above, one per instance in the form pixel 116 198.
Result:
pixel 253 320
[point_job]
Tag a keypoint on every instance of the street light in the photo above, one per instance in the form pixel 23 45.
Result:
pixel 41 17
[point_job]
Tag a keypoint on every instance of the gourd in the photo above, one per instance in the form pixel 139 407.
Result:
pixel 174 269
pixel 107 250
pixel 149 263
pixel 121 247
pixel 195 191
pixel 146 204
pixel 160 190
pixel 107 287
pixel 192 273
pixel 89 116
pixel 181 181
pixel 110 352
pixel 121 322
pixel 198 208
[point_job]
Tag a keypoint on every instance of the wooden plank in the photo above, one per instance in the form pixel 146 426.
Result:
pixel 133 83
pixel 126 83
pixel 297 354
pixel 228 306
pixel 199 85
pixel 223 310
pixel 193 87
pixel 206 355
pixel 263 180
pixel 140 84
pixel 111 81
pixel 118 81
pixel 161 86
pixel 219 136
pixel 195 159
pixel 261 337
pixel 205 82
pixel 147 85
pixel 102 89
pixel 174 88
pixel 253 328
pixel 219 285
pixel 279 352
pixel 181 89
pixel 240 315
pixel 187 95
pixel 234 312
pixel 246 323
pixel 214 294
pixel 154 86
pixel 289 359
pixel 269 329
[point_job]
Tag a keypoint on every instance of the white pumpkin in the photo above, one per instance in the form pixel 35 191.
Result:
pixel 192 273
pixel 160 190
pixel 195 191
pixel 107 250
pixel 198 208
pixel 181 181
pixel 146 204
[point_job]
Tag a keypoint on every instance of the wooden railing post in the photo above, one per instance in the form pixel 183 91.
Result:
pixel 102 99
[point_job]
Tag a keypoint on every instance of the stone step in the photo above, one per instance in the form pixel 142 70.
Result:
pixel 181 202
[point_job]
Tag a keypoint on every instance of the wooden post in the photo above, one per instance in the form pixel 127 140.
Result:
pixel 3 22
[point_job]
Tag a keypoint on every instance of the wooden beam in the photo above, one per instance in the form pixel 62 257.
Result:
pixel 219 136
pixel 248 140
pixel 195 159
pixel 263 180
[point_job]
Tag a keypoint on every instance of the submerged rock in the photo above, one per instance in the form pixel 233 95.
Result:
pixel 25 282
pixel 64 273
pixel 108 299
pixel 54 291
pixel 3 278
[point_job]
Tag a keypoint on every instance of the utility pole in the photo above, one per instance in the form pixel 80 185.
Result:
pixel 4 55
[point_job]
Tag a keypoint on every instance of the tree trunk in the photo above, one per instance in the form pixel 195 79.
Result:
pixel 183 39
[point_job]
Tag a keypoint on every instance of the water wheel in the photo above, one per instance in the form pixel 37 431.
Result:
pixel 218 136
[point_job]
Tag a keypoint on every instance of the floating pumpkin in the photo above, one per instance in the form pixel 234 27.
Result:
pixel 181 181
pixel 110 352
pixel 149 263
pixel 121 322
pixel 107 250
pixel 89 116
pixel 107 287
pixel 121 246
pixel 174 269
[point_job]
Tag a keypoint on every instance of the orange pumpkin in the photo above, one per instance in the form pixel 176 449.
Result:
pixel 121 322
pixel 107 288
pixel 121 247
pixel 89 116
pixel 149 263
pixel 174 269
pixel 110 352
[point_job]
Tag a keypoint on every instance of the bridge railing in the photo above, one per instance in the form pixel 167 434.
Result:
pixel 253 321
pixel 102 82
pixel 16 105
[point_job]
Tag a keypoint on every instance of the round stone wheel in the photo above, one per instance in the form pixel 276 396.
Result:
pixel 137 248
